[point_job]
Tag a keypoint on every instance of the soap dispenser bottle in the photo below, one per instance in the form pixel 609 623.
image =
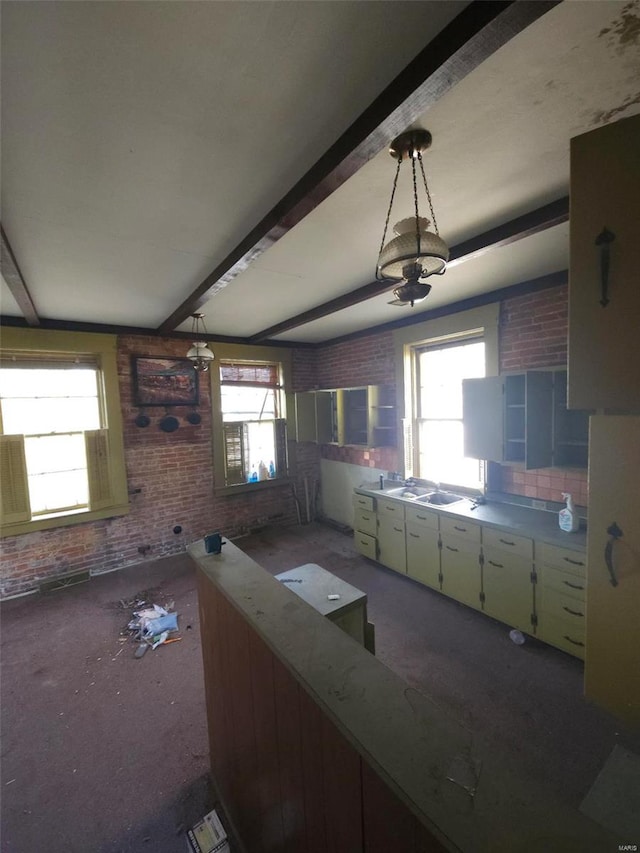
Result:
pixel 568 517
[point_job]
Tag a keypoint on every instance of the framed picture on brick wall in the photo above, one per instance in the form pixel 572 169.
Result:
pixel 164 381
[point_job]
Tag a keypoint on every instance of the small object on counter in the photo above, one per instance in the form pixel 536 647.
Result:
pixel 381 482
pixel 568 517
pixel 516 637
pixel 333 597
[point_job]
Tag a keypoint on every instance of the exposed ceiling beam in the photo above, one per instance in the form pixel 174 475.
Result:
pixel 476 33
pixel 509 232
pixel 15 282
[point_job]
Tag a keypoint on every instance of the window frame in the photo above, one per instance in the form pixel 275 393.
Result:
pixel 108 491
pixel 239 354
pixel 481 322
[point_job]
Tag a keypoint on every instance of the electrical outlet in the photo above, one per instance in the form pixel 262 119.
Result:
pixel 539 504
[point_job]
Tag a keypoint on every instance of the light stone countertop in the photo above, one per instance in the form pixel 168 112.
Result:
pixel 535 523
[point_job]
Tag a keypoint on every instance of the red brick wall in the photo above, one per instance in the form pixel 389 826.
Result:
pixel 533 330
pixel 174 475
pixel 533 334
pixel 368 360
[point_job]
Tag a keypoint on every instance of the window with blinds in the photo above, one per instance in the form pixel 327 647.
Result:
pixel 255 446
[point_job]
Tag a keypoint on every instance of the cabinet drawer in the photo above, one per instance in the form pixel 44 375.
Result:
pixel 562 582
pixel 363 502
pixel 365 544
pixel 365 521
pixel 566 636
pixel 460 527
pixel 422 517
pixel 564 607
pixel 520 546
pixel 562 558
pixel 395 509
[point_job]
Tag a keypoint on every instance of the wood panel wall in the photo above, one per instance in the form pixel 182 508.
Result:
pixel 288 779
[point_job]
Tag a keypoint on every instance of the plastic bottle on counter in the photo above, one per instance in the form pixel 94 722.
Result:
pixel 263 471
pixel 568 517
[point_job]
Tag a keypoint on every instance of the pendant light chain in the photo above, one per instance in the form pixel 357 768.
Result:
pixel 424 178
pixel 415 200
pixel 386 224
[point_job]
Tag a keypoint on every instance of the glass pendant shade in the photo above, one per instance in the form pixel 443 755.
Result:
pixel 200 355
pixel 430 256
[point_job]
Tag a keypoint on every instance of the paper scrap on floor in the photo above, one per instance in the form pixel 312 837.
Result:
pixel 208 836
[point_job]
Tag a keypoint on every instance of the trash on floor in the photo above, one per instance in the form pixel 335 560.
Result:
pixel 153 627
pixel 208 835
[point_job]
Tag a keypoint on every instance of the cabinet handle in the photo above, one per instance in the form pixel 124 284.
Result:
pixel 614 534
pixel 573 585
pixel 414 535
pixel 449 548
pixel 363 542
pixel 461 529
pixel 497 565
pixel 603 240
pixel 398 529
pixel 573 562
pixel 506 542
pixel 572 612
pixel 366 517
pixel 421 517
pixel 575 642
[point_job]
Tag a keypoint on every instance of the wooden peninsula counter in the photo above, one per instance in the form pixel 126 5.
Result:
pixel 317 746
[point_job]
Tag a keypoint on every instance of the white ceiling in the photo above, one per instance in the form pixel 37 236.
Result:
pixel 142 141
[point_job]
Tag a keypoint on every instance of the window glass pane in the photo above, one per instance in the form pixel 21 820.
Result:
pixel 441 372
pixel 441 457
pixel 55 382
pixel 57 472
pixel 261 449
pixel 51 492
pixel 50 414
pixel 55 453
pixel 250 403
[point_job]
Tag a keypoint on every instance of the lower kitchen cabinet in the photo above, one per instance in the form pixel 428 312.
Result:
pixel 507 578
pixel 460 568
pixel 561 610
pixel 533 586
pixel 423 554
pixel 392 549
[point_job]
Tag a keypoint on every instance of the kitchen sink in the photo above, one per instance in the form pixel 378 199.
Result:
pixel 439 499
pixel 410 492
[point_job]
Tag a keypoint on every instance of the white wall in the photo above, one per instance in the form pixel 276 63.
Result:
pixel 337 481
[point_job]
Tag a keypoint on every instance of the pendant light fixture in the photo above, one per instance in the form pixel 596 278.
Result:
pixel 415 252
pixel 200 354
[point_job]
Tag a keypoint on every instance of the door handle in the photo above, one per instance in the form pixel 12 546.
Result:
pixel 603 241
pixel 614 533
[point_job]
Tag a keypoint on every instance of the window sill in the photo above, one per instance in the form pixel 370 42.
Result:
pixel 52 521
pixel 245 488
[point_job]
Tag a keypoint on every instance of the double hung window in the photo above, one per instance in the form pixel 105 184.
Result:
pixel 251 402
pixel 60 443
pixel 439 369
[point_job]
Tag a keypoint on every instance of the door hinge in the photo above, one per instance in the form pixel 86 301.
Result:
pixel 440 578
pixel 534 577
pixel 534 620
pixel 482 597
pixel 439 543
pixel 481 559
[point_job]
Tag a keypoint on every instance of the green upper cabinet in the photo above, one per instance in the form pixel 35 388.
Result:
pixel 364 416
pixel 604 356
pixel 523 417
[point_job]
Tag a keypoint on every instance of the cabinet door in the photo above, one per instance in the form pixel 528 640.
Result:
pixel 326 417
pixel 604 356
pixel 539 419
pixel 423 554
pixel 482 417
pixel 507 588
pixel 306 416
pixel 612 670
pixel 460 566
pixel 392 550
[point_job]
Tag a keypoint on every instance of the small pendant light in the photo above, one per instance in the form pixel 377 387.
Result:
pixel 200 354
